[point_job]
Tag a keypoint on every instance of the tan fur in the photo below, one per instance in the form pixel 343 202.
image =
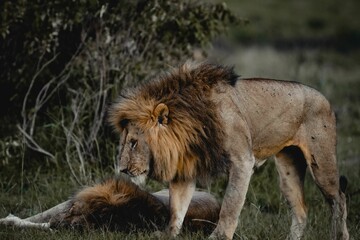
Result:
pixel 120 205
pixel 189 134
pixel 201 120
pixel 117 204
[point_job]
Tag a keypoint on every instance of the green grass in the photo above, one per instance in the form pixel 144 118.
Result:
pixel 319 20
pixel 265 215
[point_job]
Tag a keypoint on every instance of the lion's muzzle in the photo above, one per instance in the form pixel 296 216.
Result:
pixel 133 172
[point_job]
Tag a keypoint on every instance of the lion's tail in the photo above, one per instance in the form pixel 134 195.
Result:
pixel 343 183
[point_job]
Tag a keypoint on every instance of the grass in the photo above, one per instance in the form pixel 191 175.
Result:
pixel 312 23
pixel 34 187
pixel 265 214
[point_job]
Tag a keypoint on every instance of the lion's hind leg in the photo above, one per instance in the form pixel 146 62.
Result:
pixel 291 166
pixel 325 173
pixel 319 148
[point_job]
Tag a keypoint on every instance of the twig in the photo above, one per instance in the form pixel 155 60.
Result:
pixel 35 146
pixel 23 111
pixel 203 220
pixel 69 136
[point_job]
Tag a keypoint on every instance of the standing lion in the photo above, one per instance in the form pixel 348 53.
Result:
pixel 201 120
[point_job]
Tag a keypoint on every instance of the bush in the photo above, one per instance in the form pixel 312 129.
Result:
pixel 66 60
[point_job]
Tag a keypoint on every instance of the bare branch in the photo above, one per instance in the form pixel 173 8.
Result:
pixel 30 142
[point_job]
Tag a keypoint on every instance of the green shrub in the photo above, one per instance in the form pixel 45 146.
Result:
pixel 66 60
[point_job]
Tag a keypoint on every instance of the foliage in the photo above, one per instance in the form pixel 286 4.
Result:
pixel 66 60
pixel 288 24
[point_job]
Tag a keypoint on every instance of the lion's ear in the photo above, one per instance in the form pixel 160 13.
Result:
pixel 161 113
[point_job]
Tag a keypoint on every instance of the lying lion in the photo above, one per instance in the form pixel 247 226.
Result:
pixel 120 205
pixel 201 120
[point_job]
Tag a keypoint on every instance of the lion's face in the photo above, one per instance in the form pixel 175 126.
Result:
pixel 148 145
pixel 134 153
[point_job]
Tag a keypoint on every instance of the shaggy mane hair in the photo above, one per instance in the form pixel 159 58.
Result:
pixel 116 205
pixel 189 145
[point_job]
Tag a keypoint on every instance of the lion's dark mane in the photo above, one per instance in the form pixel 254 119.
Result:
pixel 186 92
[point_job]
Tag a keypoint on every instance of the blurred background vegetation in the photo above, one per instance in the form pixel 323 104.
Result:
pixel 63 62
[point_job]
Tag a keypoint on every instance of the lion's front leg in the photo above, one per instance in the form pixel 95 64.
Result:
pixel 180 197
pixel 234 198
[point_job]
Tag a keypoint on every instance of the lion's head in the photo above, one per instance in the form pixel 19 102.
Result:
pixel 115 205
pixel 139 141
pixel 169 129
pixel 144 139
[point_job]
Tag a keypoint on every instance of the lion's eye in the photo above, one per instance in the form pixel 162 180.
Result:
pixel 123 123
pixel 133 143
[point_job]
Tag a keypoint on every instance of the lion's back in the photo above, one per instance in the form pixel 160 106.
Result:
pixel 264 98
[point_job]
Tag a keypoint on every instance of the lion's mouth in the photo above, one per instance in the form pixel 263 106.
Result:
pixel 135 173
pixel 136 176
